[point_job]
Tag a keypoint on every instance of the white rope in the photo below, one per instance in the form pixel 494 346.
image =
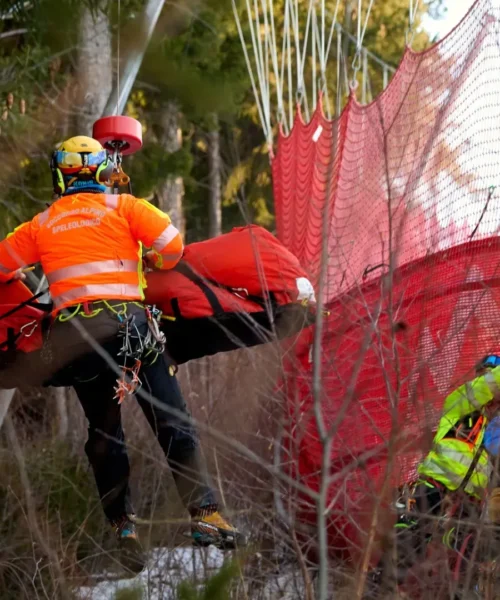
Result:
pixel 250 71
pixel 301 93
pixel 358 36
pixel 259 58
pixel 118 60
pixel 366 23
pixel 339 63
pixel 274 54
pixel 411 21
pixel 289 59
pixel 289 64
pixel 322 57
pixel 313 53
pixel 364 77
pixel 294 13
pixel 356 63
pixel 332 29
pixel 413 12
pixel 267 54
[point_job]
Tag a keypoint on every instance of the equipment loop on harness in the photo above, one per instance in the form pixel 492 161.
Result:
pixel 137 347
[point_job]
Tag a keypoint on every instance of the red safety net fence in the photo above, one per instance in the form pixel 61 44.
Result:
pixel 400 199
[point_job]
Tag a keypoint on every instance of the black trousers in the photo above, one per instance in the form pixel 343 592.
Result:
pixel 105 447
pixel 413 532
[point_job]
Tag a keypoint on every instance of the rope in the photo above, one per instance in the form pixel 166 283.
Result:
pixel 274 57
pixel 356 63
pixel 339 82
pixel 118 61
pixel 411 21
pixel 250 70
pixel 289 54
pixel 291 49
pixel 313 49
pixel 335 26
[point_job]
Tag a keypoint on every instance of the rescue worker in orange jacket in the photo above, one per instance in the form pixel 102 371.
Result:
pixel 89 244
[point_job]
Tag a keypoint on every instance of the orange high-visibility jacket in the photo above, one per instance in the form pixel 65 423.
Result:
pixel 90 247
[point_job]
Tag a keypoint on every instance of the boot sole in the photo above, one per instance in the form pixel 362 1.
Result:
pixel 203 540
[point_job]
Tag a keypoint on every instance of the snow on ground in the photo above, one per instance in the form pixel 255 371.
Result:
pixel 167 567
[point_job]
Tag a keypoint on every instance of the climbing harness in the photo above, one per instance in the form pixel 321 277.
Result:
pixel 137 347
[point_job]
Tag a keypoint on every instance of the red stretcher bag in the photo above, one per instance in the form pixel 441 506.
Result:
pixel 240 289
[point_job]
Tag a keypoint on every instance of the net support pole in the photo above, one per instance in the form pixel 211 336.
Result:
pixel 120 93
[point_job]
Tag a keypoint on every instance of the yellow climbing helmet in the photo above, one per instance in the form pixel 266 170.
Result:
pixel 80 164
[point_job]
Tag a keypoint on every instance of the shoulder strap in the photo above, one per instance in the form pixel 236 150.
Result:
pixel 186 270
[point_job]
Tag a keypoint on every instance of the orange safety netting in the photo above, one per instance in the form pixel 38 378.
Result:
pixel 401 196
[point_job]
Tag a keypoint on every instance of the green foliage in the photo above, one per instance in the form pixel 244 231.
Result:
pixel 215 588
pixel 196 60
pixel 66 513
pixel 203 55
pixel 154 164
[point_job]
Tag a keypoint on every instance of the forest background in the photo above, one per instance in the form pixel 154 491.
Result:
pixel 206 162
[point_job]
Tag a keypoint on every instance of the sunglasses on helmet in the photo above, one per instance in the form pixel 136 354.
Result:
pixel 74 161
pixel 490 361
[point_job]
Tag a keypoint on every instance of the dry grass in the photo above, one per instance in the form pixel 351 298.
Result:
pixel 54 538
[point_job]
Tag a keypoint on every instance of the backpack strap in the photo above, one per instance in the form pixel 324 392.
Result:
pixel 30 302
pixel 186 270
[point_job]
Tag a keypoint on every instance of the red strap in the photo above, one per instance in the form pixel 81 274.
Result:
pixel 86 308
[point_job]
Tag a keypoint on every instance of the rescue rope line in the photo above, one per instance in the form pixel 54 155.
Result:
pixel 411 21
pixel 356 63
pixel 118 60
pixel 287 54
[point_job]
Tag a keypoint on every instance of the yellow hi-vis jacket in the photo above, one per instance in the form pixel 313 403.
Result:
pixel 450 457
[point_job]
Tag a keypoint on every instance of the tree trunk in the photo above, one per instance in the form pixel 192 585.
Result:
pixel 6 397
pixel 214 164
pixel 94 67
pixel 170 192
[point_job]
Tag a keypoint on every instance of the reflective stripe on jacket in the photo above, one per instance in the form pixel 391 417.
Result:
pixel 450 458
pixel 90 246
pixel 449 461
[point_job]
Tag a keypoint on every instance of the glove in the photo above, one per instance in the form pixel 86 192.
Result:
pixel 150 259
pixel 18 275
pixel 492 437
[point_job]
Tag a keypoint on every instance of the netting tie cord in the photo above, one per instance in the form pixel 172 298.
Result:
pixel 409 35
pixel 280 115
pixel 491 191
pixel 369 269
pixel 410 30
pixel 299 96
pixel 356 66
pixel 322 87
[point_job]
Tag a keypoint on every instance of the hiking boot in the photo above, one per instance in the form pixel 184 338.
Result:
pixel 213 529
pixel 132 555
